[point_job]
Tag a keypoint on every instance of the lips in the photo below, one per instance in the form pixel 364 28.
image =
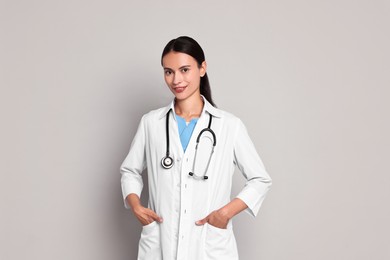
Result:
pixel 179 89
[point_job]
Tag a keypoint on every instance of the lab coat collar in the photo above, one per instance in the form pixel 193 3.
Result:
pixel 206 108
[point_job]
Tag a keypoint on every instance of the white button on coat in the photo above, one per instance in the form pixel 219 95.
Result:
pixel 179 198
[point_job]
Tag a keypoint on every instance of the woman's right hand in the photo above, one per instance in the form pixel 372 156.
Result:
pixel 144 215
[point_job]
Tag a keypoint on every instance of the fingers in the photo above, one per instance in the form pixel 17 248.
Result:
pixel 214 219
pixel 146 215
pixel 154 216
pixel 202 221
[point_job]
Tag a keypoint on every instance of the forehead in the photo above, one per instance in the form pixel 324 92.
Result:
pixel 177 59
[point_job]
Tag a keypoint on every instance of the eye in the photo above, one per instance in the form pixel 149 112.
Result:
pixel 184 70
pixel 167 72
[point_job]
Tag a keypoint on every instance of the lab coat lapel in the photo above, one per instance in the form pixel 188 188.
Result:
pixel 177 148
pixel 202 123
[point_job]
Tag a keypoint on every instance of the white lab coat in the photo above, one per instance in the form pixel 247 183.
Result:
pixel 180 199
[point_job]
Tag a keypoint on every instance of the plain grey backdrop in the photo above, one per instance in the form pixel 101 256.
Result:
pixel 310 79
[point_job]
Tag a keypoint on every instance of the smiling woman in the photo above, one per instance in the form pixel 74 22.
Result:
pixel 189 215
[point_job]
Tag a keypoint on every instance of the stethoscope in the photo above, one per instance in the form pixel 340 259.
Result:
pixel 167 161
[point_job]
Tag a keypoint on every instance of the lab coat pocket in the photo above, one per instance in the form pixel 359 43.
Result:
pixel 220 244
pixel 149 244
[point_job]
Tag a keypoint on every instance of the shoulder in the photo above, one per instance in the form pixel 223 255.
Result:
pixel 155 114
pixel 231 123
pixel 227 117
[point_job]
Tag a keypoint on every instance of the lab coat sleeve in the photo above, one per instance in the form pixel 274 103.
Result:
pixel 251 166
pixel 134 164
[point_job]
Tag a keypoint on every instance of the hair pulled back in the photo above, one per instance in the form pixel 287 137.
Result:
pixel 187 45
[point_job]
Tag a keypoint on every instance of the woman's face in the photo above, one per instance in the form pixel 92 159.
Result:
pixel 182 74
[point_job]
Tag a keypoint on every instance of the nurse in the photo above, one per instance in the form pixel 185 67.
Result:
pixel 189 169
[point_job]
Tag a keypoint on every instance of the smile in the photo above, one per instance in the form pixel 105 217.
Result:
pixel 179 89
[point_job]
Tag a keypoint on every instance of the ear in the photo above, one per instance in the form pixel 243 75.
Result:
pixel 203 68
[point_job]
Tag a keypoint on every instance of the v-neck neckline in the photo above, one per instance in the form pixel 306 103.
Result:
pixel 186 130
pixel 194 135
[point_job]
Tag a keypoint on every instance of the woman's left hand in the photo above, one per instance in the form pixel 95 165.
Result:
pixel 217 218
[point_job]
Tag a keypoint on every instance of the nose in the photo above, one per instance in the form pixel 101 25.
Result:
pixel 177 78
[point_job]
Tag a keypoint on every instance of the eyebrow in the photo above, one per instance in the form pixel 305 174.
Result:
pixel 182 67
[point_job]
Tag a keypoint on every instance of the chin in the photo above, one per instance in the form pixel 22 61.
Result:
pixel 180 97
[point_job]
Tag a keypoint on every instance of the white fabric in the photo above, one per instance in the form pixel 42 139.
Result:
pixel 180 199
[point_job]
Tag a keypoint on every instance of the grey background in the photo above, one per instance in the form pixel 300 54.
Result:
pixel 310 79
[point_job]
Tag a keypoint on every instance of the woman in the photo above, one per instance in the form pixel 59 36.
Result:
pixel 189 214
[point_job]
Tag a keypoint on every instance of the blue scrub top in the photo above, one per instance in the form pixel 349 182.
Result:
pixel 185 130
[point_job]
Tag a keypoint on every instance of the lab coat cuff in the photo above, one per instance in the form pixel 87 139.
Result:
pixel 126 191
pixel 251 198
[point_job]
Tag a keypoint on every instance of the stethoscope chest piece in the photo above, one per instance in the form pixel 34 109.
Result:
pixel 167 162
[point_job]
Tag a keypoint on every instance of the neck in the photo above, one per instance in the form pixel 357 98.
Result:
pixel 189 108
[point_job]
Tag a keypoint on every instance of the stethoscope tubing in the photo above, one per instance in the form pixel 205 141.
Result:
pixel 167 161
